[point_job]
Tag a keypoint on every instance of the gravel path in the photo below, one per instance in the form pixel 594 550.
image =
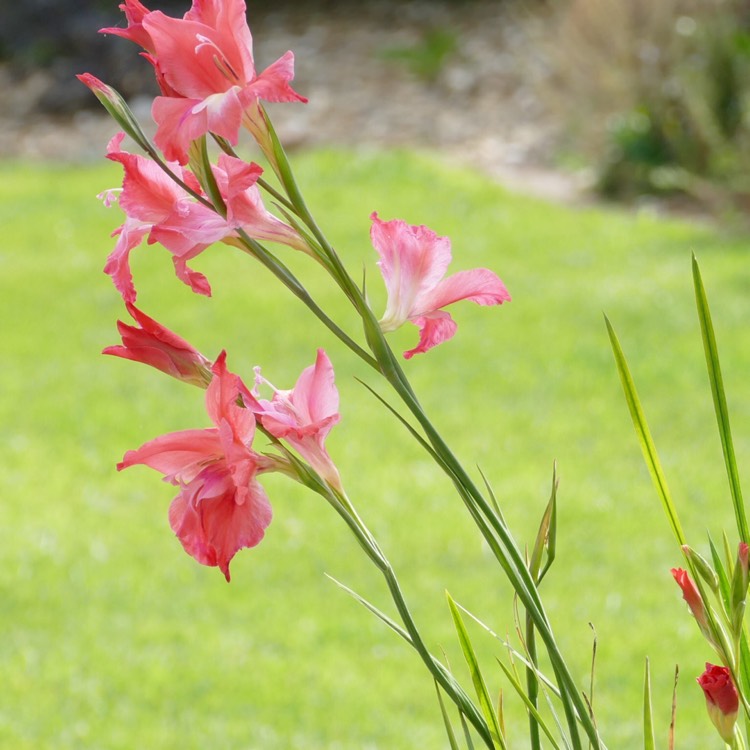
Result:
pixel 482 107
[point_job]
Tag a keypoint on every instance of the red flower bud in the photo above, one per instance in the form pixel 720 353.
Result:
pixel 722 700
pixel 155 345
pixel 692 596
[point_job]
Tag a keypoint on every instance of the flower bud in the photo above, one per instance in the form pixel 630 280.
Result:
pixel 702 567
pixel 157 346
pixel 692 596
pixel 722 700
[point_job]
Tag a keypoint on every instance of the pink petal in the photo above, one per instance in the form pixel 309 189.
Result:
pixel 479 285
pixel 180 456
pixel 413 259
pixel 272 85
pixel 222 404
pixel 188 55
pixel 213 529
pixel 176 128
pixel 228 18
pixel 131 234
pixel 434 328
pixel 135 12
pixel 315 396
pixel 194 279
pixel 148 193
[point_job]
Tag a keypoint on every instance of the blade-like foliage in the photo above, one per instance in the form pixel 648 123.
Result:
pixel 720 401
pixel 485 703
pixel 649 741
pixel 644 436
pixel 446 720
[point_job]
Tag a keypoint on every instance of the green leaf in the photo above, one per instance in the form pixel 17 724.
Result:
pixel 493 497
pixel 467 733
pixel 649 741
pixel 446 720
pixel 527 702
pixel 720 570
pixel 744 662
pixel 394 626
pixel 546 538
pixel 644 436
pixel 485 703
pixel 720 401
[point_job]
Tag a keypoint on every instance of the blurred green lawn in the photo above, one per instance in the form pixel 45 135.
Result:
pixel 112 638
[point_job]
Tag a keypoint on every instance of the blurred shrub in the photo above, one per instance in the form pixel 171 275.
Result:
pixel 427 58
pixel 657 94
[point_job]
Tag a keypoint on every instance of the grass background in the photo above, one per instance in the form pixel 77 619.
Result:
pixel 111 637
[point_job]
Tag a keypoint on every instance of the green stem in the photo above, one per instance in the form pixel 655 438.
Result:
pixel 492 527
pixel 532 683
pixel 367 541
pixel 254 248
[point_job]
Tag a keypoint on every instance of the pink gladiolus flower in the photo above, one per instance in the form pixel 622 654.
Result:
pixel 221 508
pixel 161 210
pixel 153 344
pixel 722 699
pixel 157 207
pixel 413 261
pixel 206 72
pixel 303 416
pixel 236 181
pixel 692 596
pixel 134 12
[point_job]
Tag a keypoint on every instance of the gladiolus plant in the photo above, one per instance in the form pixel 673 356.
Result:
pixel 189 190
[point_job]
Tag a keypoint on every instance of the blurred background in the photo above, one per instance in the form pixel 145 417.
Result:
pixel 110 637
pixel 625 99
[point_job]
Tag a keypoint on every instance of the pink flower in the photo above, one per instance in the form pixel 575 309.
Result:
pixel 413 261
pixel 155 345
pixel 161 210
pixel 220 507
pixel 134 12
pixel 236 181
pixel 158 208
pixel 692 596
pixel 206 72
pixel 303 416
pixel 722 700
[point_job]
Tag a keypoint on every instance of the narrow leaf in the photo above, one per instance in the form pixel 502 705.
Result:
pixel 467 734
pixel 721 573
pixel 446 720
pixel 493 497
pixel 745 662
pixel 380 615
pixel 649 741
pixel 485 703
pixel 720 401
pixel 546 538
pixel 644 436
pixel 529 705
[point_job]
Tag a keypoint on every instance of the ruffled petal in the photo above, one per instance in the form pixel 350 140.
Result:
pixel 413 259
pixel 434 328
pixel 212 529
pixel 130 235
pixel 479 285
pixel 273 84
pixel 179 456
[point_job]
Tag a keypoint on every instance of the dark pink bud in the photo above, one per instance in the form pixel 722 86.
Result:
pixel 157 346
pixel 722 700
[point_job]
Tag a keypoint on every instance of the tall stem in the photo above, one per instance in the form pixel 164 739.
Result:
pixel 492 527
